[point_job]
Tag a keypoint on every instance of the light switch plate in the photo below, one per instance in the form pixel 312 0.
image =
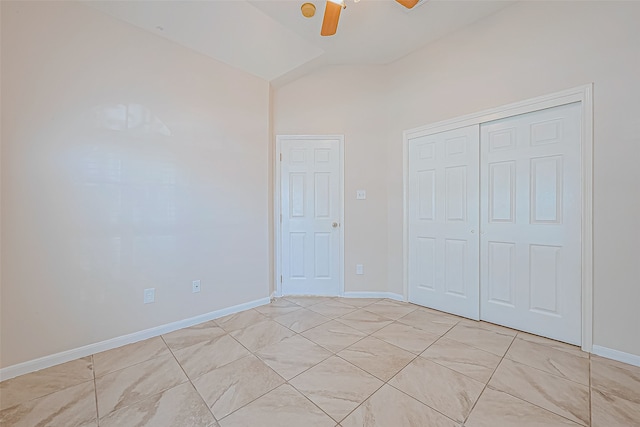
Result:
pixel 361 194
pixel 149 295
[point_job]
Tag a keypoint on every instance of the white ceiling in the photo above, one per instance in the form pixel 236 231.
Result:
pixel 272 40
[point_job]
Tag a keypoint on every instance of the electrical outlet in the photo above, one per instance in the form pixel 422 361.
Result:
pixel 361 194
pixel 359 269
pixel 149 295
pixel 195 286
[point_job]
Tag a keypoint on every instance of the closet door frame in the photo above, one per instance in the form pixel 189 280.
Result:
pixel 583 95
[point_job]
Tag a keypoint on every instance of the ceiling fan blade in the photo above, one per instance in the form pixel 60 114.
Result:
pixel 408 3
pixel 331 16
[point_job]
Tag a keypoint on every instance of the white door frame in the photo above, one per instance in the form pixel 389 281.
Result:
pixel 582 94
pixel 277 204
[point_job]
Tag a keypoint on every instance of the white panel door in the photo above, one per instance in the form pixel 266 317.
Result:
pixel 530 222
pixel 311 207
pixel 443 221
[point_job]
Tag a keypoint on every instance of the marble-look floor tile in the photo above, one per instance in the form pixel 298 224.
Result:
pixel 71 407
pixel 391 309
pixel 433 322
pixel 194 335
pixel 308 301
pixel 178 406
pixel 548 359
pixel 493 342
pixel 128 355
pixel 470 361
pixel 282 407
pixel 444 390
pixel 262 334
pixel 241 320
pixel 377 357
pixel 563 397
pixel 334 336
pixel 497 409
pixel 609 410
pixel 616 378
pixel 201 358
pixel 489 326
pixel 360 302
pixel 333 308
pixel 40 383
pixel 557 345
pixel 135 383
pixel 336 386
pixel 278 307
pixel 292 355
pixel 234 385
pixel 407 337
pixel 389 407
pixel 301 320
pixel 364 321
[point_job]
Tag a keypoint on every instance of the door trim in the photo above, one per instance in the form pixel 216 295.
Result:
pixel 582 94
pixel 277 206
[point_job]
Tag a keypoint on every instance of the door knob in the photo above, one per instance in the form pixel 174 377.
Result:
pixel 334 225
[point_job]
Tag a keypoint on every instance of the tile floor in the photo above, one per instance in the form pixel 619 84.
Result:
pixel 304 361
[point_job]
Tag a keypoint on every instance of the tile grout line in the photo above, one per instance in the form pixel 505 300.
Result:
pixel 419 355
pixel 590 394
pixel 314 403
pixel 387 382
pixel 488 381
pixel 150 396
pixel 547 372
pixel 95 390
pixel 519 398
pixel 336 355
pixel 252 353
pixel 383 382
pixel 135 364
pixel 54 391
pixel 188 379
pixel 366 335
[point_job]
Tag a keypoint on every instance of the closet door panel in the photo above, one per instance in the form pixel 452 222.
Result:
pixel 530 223
pixel 443 221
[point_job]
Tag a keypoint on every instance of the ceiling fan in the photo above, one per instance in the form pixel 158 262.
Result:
pixel 332 14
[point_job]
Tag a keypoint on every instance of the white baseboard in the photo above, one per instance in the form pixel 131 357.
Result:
pixel 87 350
pixel 620 356
pixel 389 295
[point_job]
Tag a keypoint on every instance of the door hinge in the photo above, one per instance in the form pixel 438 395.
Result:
pixel 280 156
pixel 280 278
pixel 280 218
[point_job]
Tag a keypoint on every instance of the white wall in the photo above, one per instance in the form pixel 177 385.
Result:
pixel 128 162
pixel 348 101
pixel 526 50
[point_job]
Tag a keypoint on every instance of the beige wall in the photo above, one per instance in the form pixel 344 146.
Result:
pixel 348 101
pixel 96 207
pixel 532 49
pixel 526 50
pixel 128 162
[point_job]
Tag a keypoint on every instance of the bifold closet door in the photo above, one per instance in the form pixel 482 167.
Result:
pixel 530 255
pixel 443 221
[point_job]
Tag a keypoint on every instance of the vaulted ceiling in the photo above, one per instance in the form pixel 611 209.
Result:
pixel 272 40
